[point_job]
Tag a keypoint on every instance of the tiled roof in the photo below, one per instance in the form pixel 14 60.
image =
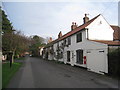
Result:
pixel 51 43
pixel 115 27
pixel 81 27
pixel 78 28
pixel 116 34
pixel 107 42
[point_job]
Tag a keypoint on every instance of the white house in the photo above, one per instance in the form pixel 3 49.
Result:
pixel 85 45
pixel 41 50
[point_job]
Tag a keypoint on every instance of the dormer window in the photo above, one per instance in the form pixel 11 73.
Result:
pixel 79 37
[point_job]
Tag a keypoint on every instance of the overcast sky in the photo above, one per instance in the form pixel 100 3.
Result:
pixel 49 18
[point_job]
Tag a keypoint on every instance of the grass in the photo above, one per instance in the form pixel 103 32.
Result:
pixel 8 73
pixel 21 58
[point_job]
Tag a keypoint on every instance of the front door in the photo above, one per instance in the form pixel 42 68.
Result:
pixel 79 56
pixel 68 56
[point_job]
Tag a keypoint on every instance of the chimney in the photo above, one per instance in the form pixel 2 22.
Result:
pixel 60 34
pixel 73 26
pixel 50 40
pixel 85 19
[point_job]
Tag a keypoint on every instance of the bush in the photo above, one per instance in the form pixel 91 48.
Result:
pixel 114 63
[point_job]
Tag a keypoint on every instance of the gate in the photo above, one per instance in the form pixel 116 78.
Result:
pixel 96 61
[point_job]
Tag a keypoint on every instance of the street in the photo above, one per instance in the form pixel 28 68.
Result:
pixel 38 73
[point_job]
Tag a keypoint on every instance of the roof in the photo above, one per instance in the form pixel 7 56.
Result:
pixel 78 28
pixel 51 43
pixel 116 34
pixel 81 27
pixel 108 42
pixel 115 27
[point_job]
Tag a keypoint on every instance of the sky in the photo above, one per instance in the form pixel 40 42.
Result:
pixel 47 19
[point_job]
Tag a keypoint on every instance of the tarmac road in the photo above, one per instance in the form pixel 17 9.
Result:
pixel 38 73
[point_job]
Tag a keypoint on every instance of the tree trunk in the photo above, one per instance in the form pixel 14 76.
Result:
pixel 13 56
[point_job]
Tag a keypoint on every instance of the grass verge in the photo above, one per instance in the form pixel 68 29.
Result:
pixel 8 73
pixel 20 58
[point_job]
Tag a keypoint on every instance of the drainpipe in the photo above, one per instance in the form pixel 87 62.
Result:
pixel 87 35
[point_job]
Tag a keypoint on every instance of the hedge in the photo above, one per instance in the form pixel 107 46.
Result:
pixel 114 63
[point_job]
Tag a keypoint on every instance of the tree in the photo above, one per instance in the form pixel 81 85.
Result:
pixel 6 24
pixel 21 43
pixel 12 40
pixel 15 42
pixel 36 42
pixel 7 31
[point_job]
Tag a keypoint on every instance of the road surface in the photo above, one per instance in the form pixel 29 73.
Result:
pixel 38 73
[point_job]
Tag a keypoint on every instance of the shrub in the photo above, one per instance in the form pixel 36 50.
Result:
pixel 114 62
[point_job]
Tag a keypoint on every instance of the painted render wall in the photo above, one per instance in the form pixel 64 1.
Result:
pixel 97 61
pixel 99 29
pixel 86 46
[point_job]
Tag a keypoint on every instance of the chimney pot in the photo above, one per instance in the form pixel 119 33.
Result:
pixel 60 34
pixel 50 40
pixel 85 19
pixel 72 23
pixel 73 26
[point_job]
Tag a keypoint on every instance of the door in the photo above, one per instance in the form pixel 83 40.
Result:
pixel 79 56
pixel 96 60
pixel 68 56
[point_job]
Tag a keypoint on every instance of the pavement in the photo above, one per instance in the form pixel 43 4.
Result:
pixel 39 73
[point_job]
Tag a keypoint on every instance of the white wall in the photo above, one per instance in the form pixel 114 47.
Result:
pixel 41 49
pixel 95 31
pixel 54 48
pixel 87 45
pixel 99 29
pixel 93 63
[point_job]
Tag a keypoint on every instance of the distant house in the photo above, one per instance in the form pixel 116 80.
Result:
pixel 85 45
pixel 41 51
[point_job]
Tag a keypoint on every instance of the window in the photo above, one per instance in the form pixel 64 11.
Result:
pixel 79 56
pixel 64 42
pixel 79 37
pixel 101 51
pixel 69 40
pixel 68 56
